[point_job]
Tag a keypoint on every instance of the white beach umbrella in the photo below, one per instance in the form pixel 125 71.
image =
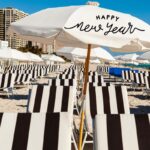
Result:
pixel 99 53
pixel 53 58
pixel 128 57
pixel 8 53
pixel 33 57
pixel 96 61
pixel 82 60
pixel 77 26
pixel 145 56
pixel 118 57
pixel 143 61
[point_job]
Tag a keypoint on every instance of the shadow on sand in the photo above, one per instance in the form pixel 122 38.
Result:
pixel 140 110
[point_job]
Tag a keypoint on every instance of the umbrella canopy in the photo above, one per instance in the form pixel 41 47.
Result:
pixel 99 53
pixel 33 57
pixel 131 57
pixel 8 53
pixel 145 56
pixel 82 60
pixel 77 26
pixel 53 58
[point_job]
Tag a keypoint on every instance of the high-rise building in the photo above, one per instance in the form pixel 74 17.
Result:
pixel 7 16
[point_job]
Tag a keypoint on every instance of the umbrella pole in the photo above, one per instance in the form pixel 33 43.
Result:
pixel 84 93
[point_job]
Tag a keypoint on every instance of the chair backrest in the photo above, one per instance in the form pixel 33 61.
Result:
pixel 66 76
pixel 36 131
pixel 22 78
pixel 127 75
pixel 53 68
pixel 62 82
pixel 50 99
pixel 95 78
pixel 7 80
pixel 122 132
pixel 101 69
pixel 147 81
pixel 105 100
pixel 138 78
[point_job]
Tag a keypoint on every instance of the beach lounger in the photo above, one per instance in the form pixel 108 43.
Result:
pixel 138 78
pixel 95 78
pixel 7 82
pixel 127 75
pixel 122 132
pixel 147 81
pixel 53 99
pixel 45 98
pixel 103 100
pixel 62 82
pixel 23 78
pixel 102 69
pixel 36 131
pixel 66 76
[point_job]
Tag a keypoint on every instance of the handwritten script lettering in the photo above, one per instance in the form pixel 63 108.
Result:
pixel 109 28
pixel 86 28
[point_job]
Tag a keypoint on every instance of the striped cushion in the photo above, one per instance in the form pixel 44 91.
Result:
pixel 105 100
pixel 62 82
pixel 7 80
pixel 100 84
pixel 51 99
pixel 147 81
pixel 127 75
pixel 37 131
pixel 66 76
pixel 96 78
pixel 101 69
pixel 22 78
pixel 122 132
pixel 139 78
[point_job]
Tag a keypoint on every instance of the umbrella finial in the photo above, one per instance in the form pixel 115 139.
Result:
pixel 93 3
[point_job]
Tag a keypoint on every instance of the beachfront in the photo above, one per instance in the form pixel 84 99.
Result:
pixel 24 94
pixel 63 84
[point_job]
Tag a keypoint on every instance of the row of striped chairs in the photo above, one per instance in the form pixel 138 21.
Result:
pixel 138 79
pixel 39 131
pixel 24 75
pixel 50 114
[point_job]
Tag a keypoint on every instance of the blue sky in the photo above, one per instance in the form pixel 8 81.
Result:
pixel 138 8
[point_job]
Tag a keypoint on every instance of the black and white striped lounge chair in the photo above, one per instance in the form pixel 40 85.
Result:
pixel 62 82
pixel 23 78
pixel 50 99
pixel 36 131
pixel 122 132
pixel 138 78
pixel 147 81
pixel 7 82
pixel 67 74
pixel 102 69
pixel 95 78
pixel 105 100
pixel 127 75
